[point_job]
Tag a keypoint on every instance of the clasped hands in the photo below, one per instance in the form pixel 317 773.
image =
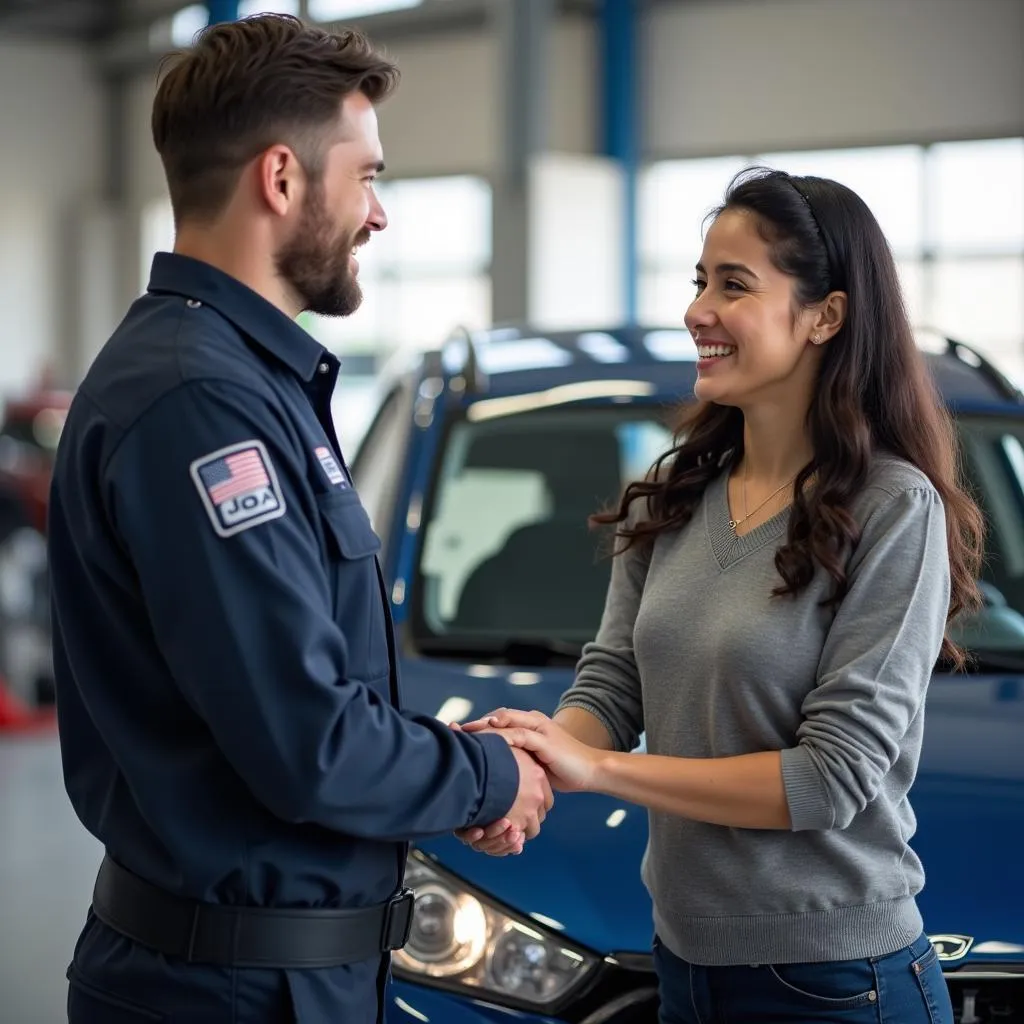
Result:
pixel 549 758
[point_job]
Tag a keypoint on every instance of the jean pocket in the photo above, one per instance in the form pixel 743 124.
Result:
pixel 88 1004
pixel 840 985
pixel 928 972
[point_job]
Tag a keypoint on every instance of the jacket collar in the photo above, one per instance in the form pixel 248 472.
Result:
pixel 253 315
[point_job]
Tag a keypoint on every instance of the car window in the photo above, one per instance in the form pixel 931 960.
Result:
pixel 993 461
pixel 507 552
pixel 380 458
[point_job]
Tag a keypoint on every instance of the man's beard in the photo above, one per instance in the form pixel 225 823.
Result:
pixel 315 261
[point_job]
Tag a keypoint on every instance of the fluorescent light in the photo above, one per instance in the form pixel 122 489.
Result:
pixel 337 10
pixel 247 8
pixel 187 23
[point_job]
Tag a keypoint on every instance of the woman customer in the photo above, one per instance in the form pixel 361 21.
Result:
pixel 783 582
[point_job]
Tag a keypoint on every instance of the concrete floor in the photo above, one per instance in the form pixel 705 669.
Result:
pixel 47 866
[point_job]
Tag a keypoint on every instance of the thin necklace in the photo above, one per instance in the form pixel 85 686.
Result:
pixel 734 523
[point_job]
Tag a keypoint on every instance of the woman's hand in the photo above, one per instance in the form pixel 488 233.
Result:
pixel 572 766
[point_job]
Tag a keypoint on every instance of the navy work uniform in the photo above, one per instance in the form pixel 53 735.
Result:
pixel 226 680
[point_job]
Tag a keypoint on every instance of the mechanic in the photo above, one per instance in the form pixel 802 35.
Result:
pixel 227 689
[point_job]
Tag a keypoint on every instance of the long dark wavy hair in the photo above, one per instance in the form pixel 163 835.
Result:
pixel 874 394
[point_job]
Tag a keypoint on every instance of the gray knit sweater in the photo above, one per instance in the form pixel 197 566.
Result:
pixel 695 650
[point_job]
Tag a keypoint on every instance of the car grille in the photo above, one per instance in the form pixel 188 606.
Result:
pixel 987 993
pixel 624 991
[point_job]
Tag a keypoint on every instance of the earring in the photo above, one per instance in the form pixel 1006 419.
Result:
pixel 816 340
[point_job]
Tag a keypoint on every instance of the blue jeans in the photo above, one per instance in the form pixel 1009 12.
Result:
pixel 905 987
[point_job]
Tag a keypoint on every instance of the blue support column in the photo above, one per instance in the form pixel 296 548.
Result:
pixel 222 10
pixel 621 120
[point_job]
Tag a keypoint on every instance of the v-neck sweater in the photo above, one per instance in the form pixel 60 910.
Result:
pixel 695 651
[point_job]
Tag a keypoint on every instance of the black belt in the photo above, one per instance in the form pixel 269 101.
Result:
pixel 229 936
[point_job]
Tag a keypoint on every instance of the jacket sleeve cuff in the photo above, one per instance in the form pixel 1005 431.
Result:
pixel 809 807
pixel 501 785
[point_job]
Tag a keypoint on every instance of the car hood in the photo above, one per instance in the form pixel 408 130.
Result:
pixel 582 874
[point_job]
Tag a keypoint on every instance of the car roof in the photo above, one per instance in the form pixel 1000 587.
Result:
pixel 656 363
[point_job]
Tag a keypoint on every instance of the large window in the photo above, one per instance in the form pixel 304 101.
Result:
pixel 953 213
pixel 425 274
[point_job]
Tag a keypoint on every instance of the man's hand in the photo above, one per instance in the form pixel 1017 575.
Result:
pixel 523 820
pixel 571 766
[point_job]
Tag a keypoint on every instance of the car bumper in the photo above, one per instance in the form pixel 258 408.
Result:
pixel 414 1004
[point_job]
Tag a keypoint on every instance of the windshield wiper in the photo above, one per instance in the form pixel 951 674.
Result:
pixel 987 660
pixel 526 651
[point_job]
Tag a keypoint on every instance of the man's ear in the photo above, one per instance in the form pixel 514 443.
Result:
pixel 279 179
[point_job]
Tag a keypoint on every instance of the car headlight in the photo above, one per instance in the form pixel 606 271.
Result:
pixel 460 940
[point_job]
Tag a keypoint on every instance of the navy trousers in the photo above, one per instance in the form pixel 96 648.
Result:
pixel 113 980
pixel 905 987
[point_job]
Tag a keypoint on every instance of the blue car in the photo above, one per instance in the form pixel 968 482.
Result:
pixel 479 470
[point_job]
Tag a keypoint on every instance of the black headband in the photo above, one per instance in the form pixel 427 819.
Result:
pixel 817 223
pixel 810 209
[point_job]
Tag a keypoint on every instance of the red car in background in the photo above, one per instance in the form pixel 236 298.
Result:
pixel 30 428
pixel 29 433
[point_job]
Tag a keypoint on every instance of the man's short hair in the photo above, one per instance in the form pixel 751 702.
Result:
pixel 247 85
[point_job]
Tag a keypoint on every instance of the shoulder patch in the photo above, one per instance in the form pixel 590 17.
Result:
pixel 330 466
pixel 238 486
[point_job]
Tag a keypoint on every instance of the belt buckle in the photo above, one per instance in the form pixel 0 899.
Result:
pixel 398 920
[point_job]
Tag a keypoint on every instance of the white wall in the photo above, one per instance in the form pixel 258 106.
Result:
pixel 734 76
pixel 51 125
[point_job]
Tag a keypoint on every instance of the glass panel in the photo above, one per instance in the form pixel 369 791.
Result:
pixel 156 234
pixel 353 406
pixel 380 459
pixel 982 302
pixel 977 196
pixel 507 551
pixel 674 198
pixel 993 461
pixel 912 280
pixel 889 179
pixel 663 296
pixel 423 312
pixel 437 223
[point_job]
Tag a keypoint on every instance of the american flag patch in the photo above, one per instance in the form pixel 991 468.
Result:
pixel 238 486
pixel 330 466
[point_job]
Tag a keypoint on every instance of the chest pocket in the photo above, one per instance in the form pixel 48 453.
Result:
pixel 358 605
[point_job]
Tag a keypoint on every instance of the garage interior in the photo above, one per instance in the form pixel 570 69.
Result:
pixel 549 162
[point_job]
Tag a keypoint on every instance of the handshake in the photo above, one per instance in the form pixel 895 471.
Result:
pixel 549 758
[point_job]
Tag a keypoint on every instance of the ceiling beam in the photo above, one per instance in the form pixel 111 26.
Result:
pixel 129 51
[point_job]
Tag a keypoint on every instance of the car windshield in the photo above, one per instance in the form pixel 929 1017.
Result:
pixel 508 564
